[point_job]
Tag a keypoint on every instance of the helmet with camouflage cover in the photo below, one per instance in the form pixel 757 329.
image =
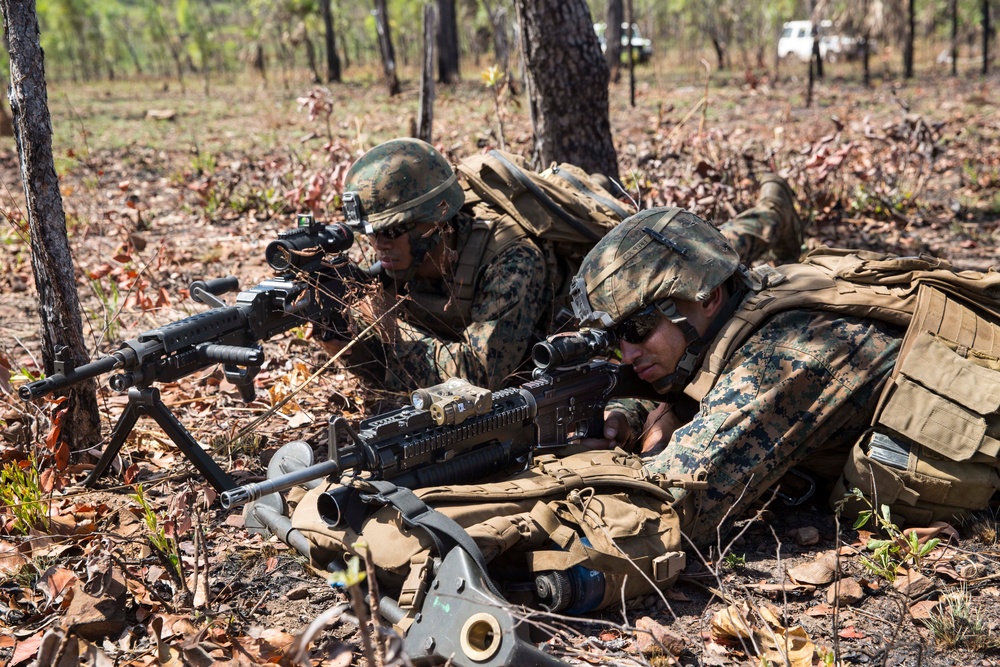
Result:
pixel 657 254
pixel 402 181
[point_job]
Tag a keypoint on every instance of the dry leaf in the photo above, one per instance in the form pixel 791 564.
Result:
pixel 730 623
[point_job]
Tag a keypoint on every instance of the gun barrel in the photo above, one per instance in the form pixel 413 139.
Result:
pixel 59 381
pixel 247 492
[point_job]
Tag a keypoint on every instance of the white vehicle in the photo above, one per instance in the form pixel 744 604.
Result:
pixel 641 47
pixel 797 40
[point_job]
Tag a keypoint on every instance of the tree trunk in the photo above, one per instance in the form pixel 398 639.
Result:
pixel 385 48
pixel 567 84
pixel 330 37
pixel 51 259
pixel 953 10
pixel 447 42
pixel 911 29
pixel 987 30
pixel 613 38
pixel 629 36
pixel 425 115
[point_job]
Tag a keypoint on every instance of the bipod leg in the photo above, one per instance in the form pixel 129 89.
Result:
pixel 147 402
pixel 121 430
pixel 150 403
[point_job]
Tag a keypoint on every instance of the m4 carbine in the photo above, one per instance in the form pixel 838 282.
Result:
pixel 456 433
pixel 312 277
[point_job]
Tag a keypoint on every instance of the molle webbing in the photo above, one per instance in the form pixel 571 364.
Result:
pixel 858 284
pixel 449 314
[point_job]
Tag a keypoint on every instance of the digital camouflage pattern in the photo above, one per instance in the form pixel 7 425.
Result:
pixel 511 307
pixel 804 383
pixel 656 254
pixel 402 181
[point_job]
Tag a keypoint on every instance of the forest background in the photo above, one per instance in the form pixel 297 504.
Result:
pixel 186 136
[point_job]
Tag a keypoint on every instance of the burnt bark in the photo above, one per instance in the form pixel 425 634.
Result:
pixel 385 47
pixel 447 42
pixel 567 84
pixel 425 114
pixel 330 37
pixel 51 258
pixel 911 29
pixel 613 38
pixel 987 33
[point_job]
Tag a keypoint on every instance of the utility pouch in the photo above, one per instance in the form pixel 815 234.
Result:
pixel 572 534
pixel 932 451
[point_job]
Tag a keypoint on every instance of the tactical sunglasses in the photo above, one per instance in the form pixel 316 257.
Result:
pixel 635 329
pixel 394 233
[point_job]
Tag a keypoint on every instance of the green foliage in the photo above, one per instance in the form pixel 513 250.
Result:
pixel 21 495
pixel 900 550
pixel 734 562
pixel 157 535
pixel 110 300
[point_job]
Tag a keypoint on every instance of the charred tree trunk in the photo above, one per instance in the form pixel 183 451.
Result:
pixel 385 48
pixel 987 33
pixel 953 9
pixel 447 42
pixel 330 37
pixel 911 30
pixel 567 84
pixel 51 259
pixel 630 37
pixel 425 115
pixel 613 38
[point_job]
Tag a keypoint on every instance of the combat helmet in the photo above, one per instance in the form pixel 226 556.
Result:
pixel 403 181
pixel 646 262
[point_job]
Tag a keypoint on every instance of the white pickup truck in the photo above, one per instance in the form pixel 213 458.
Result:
pixel 797 40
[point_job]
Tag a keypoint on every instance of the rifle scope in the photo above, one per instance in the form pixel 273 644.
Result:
pixel 304 245
pixel 571 348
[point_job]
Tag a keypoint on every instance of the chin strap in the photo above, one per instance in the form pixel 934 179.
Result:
pixel 697 345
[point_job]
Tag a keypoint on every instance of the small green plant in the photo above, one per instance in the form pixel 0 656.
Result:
pixel 158 539
pixel 899 550
pixel 110 299
pixel 21 494
pixel 956 624
pixel 734 562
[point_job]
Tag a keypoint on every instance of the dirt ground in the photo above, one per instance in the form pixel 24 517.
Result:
pixel 154 204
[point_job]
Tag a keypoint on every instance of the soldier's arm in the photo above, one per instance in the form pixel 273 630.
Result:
pixel 512 296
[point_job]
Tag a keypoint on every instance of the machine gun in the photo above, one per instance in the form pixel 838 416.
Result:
pixel 312 276
pixel 456 433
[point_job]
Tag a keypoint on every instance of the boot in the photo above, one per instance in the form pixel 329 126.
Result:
pixel 777 196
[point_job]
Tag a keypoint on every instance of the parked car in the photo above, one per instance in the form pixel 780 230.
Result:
pixel 797 40
pixel 642 48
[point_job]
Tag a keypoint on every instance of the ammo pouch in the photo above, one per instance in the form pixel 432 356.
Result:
pixel 932 451
pixel 562 524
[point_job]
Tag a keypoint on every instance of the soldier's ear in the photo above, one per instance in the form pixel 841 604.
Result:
pixel 713 304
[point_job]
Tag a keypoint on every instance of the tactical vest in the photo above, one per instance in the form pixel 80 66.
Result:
pixel 932 450
pixel 447 315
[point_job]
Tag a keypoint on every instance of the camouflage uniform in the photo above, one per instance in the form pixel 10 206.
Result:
pixel 804 383
pixel 510 310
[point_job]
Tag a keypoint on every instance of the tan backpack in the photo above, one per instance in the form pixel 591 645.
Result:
pixel 932 449
pixel 572 534
pixel 564 209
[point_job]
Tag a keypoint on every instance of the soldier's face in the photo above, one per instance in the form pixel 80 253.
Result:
pixel 393 248
pixel 663 347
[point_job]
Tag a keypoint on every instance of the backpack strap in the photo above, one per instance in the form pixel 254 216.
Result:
pixel 545 200
pixel 579 185
pixel 443 530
